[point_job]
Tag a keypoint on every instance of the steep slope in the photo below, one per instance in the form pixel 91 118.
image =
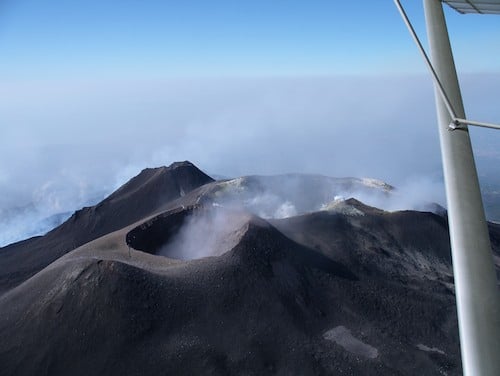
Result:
pixel 267 306
pixel 378 243
pixel 140 197
pixel 350 290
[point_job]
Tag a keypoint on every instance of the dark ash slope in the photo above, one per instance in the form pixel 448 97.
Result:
pixel 140 197
pixel 268 306
pixel 353 291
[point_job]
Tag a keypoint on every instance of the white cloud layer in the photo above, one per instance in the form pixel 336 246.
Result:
pixel 75 140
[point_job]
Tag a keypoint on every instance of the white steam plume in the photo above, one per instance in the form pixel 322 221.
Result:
pixel 206 232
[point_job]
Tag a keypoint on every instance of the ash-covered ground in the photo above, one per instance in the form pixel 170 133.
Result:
pixel 178 274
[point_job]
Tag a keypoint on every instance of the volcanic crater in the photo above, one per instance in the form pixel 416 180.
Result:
pixel 165 277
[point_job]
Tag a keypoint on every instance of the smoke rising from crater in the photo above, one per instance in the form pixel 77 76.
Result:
pixel 206 232
pixel 281 196
pixel 215 228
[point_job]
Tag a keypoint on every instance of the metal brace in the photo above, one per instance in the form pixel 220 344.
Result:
pixel 456 122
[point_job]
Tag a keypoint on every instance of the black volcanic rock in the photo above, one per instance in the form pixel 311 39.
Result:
pixel 142 196
pixel 261 308
pixel 349 290
pixel 371 240
pixel 152 236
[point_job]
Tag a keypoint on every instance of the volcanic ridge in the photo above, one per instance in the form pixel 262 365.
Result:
pixel 176 273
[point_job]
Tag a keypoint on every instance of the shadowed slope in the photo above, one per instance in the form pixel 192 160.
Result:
pixel 226 230
pixel 374 242
pixel 350 290
pixel 262 308
pixel 140 197
pixel 388 244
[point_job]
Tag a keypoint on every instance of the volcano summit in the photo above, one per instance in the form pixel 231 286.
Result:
pixel 176 273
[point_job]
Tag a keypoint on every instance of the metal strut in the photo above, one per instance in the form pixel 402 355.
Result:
pixel 476 289
pixel 456 122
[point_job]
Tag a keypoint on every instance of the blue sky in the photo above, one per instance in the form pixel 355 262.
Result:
pixel 152 39
pixel 91 92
